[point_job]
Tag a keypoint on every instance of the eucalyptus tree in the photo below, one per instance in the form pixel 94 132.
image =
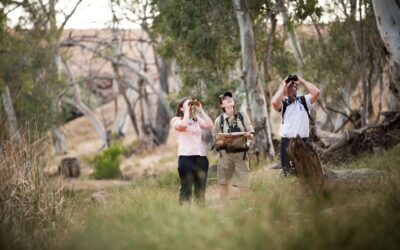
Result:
pixel 28 63
pixel 140 12
pixel 257 104
pixel 346 60
pixel 196 32
pixel 387 13
pixel 204 38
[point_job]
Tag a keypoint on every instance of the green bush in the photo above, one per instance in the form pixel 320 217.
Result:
pixel 106 164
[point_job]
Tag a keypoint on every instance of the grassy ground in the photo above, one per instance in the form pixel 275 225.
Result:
pixel 276 214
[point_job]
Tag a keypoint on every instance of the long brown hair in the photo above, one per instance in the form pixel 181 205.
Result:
pixel 179 112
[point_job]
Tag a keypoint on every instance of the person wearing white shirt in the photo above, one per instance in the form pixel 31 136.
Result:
pixel 294 112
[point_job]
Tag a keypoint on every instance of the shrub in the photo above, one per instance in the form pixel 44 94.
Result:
pixel 106 164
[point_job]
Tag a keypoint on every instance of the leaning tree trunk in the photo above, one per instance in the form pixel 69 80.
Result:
pixel 130 95
pixel 11 118
pixel 257 103
pixel 317 178
pixel 81 106
pixel 387 13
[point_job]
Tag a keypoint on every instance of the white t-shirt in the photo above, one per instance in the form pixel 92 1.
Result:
pixel 295 120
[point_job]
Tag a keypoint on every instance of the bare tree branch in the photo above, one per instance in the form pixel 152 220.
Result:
pixel 128 63
pixel 67 17
pixel 337 111
pixel 43 8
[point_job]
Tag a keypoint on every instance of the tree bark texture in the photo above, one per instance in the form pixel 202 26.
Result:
pixel 257 103
pixel 387 14
pixel 11 118
pixel 130 95
pixel 161 127
pixel 317 178
pixel 337 148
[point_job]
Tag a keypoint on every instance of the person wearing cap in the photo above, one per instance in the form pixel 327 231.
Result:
pixel 294 114
pixel 189 121
pixel 233 163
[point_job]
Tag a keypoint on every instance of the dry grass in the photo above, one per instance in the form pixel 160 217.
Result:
pixel 275 214
pixel 28 207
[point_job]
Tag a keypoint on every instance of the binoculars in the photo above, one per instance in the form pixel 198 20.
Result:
pixel 292 77
pixel 194 103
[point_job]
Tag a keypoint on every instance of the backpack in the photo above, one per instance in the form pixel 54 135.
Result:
pixel 221 121
pixel 287 102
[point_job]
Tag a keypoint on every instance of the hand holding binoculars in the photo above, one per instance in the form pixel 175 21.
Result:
pixel 194 103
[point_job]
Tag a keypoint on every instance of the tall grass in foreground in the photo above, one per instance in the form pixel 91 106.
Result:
pixel 276 214
pixel 28 207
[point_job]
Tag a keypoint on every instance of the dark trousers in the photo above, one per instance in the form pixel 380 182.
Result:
pixel 193 173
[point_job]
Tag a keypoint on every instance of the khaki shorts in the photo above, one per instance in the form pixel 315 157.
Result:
pixel 233 169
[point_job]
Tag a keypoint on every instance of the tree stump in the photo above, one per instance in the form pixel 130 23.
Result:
pixel 317 178
pixel 69 167
pixel 307 164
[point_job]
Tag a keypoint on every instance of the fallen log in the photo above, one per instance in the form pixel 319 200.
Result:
pixel 336 148
pixel 317 178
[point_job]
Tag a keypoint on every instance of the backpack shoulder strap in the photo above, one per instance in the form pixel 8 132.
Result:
pixel 241 119
pixel 303 101
pixel 221 123
pixel 285 103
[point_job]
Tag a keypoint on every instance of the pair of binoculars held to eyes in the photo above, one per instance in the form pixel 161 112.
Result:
pixel 194 103
pixel 292 78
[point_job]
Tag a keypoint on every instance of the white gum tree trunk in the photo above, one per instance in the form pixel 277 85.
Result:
pixel 256 96
pixel 387 14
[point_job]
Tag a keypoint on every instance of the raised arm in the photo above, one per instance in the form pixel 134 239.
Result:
pixel 277 98
pixel 208 123
pixel 314 91
pixel 182 124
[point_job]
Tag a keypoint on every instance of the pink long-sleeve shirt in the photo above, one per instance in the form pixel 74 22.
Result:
pixel 189 141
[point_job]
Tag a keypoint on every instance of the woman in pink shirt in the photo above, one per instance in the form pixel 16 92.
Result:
pixel 189 121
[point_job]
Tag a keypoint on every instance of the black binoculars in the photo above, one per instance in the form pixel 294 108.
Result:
pixel 292 77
